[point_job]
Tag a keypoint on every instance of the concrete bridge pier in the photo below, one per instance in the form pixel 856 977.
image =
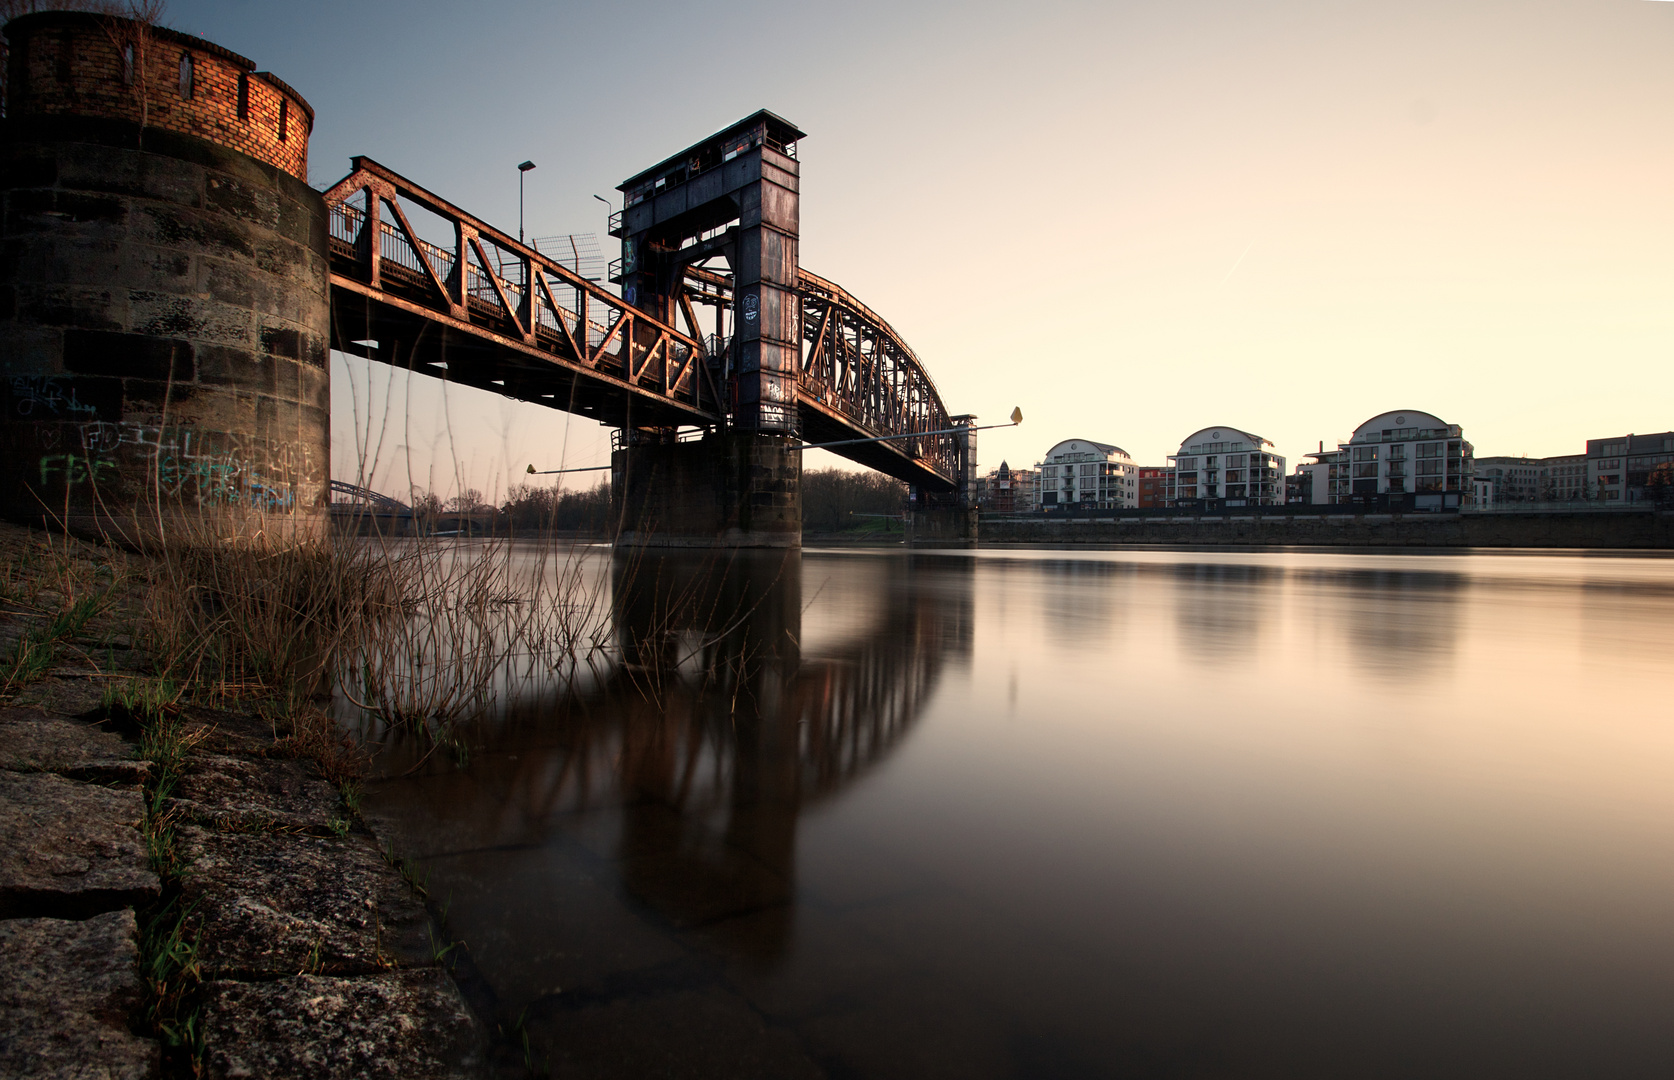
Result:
pixel 941 520
pixel 726 489
pixel 948 519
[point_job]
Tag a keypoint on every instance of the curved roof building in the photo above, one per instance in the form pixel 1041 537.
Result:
pixel 1088 475
pixel 1227 463
pixel 1398 453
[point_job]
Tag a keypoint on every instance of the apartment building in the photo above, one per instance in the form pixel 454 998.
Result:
pixel 1514 479
pixel 1564 478
pixel 1396 453
pixel 1225 463
pixel 1087 475
pixel 1622 468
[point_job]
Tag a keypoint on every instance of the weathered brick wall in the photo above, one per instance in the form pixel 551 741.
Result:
pixel 66 63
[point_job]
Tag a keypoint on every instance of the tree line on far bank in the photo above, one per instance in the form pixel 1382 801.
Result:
pixel 833 501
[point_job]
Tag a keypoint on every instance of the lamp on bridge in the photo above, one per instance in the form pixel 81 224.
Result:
pixel 521 169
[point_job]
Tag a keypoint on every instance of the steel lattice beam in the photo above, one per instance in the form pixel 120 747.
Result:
pixel 859 377
pixel 496 314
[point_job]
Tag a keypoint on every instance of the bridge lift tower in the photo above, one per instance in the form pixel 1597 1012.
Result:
pixel 733 197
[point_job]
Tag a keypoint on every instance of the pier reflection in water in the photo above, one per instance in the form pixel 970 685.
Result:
pixel 1080 814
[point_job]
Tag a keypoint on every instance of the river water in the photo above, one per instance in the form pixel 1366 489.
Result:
pixel 1079 814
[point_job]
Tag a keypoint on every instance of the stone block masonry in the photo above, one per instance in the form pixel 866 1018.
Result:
pixel 729 489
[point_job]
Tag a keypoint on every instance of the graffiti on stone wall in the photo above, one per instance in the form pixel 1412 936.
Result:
pixel 46 397
pixel 72 470
pixel 184 463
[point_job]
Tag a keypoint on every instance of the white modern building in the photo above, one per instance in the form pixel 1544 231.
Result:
pixel 1225 463
pixel 1087 475
pixel 1313 478
pixel 1396 453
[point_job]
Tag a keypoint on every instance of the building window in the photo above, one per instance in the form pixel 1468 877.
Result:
pixel 186 76
pixel 284 118
pixel 243 96
pixel 128 64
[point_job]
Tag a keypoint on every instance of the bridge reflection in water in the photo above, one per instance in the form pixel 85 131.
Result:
pixel 590 833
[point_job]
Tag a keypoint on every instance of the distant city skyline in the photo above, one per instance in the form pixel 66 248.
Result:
pixel 1131 219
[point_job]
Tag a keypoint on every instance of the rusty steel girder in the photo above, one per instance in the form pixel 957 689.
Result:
pixel 496 314
pixel 858 377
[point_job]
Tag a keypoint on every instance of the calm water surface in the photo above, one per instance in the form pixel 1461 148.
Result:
pixel 1049 814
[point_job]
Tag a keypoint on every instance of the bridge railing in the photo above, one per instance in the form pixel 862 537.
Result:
pixel 503 289
pixel 348 221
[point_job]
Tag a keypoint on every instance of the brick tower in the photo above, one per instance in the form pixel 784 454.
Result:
pixel 164 295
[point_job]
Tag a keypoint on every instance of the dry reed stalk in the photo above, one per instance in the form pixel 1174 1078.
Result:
pixel 488 615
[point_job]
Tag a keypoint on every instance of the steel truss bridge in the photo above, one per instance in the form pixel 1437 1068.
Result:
pixel 487 311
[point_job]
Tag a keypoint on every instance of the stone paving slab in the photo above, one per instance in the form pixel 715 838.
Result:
pixel 217 731
pixel 234 793
pixel 283 904
pixel 68 992
pixel 64 696
pixel 31 741
pixel 411 1025
pixel 70 849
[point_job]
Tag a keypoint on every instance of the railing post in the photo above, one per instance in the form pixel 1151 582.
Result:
pixel 463 234
pixel 526 314
pixel 374 236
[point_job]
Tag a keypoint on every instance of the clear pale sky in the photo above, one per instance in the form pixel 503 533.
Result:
pixel 1133 219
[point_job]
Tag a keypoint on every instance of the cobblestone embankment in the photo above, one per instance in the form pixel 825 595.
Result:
pixel 285 941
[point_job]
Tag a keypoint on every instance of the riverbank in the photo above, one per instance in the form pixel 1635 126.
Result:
pixel 1649 528
pixel 186 887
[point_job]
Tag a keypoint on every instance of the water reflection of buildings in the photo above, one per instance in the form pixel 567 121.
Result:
pixel 715 732
pixel 1220 608
pixel 1388 622
pixel 1084 598
pixel 1393 623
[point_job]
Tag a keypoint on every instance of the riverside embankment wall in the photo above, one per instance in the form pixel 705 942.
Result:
pixel 1619 529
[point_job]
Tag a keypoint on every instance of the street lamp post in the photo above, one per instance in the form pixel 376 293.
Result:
pixel 521 169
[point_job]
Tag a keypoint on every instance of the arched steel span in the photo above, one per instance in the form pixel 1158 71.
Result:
pixel 858 374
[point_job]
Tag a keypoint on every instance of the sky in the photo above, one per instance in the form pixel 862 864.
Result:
pixel 1131 219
